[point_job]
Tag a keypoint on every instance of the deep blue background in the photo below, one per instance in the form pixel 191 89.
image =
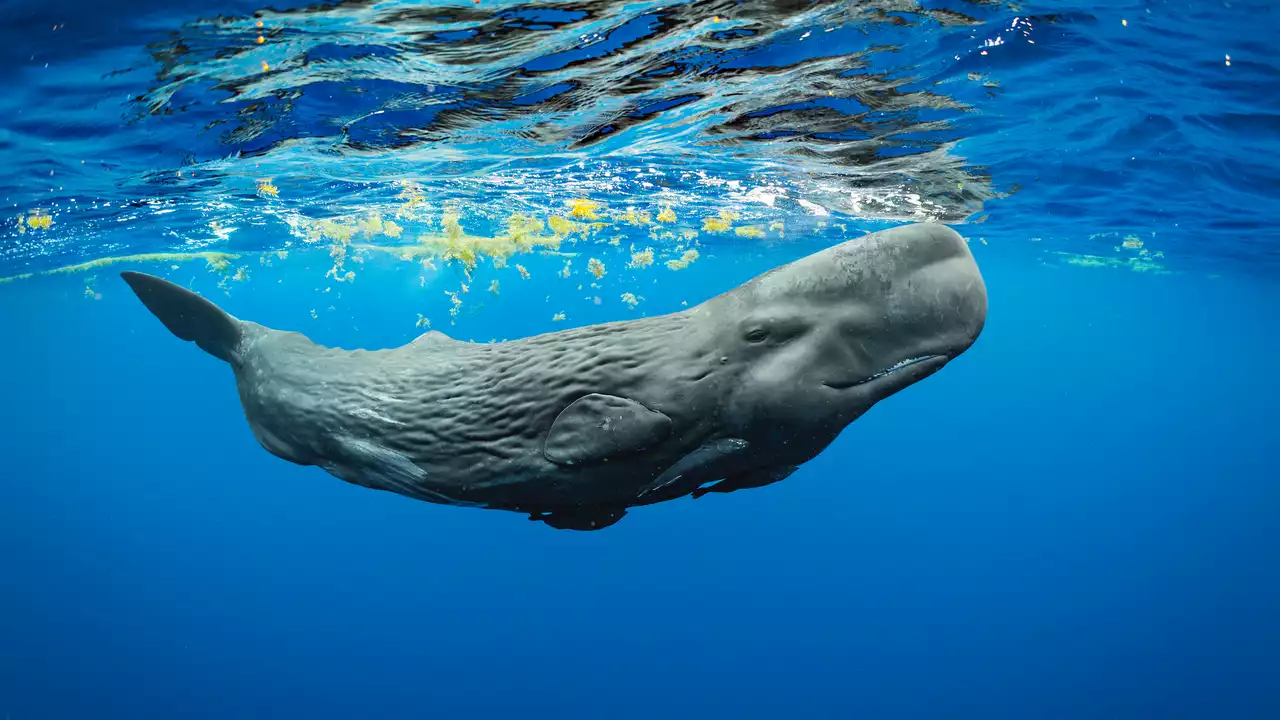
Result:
pixel 1074 519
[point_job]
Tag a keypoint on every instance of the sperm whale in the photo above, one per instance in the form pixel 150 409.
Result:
pixel 576 427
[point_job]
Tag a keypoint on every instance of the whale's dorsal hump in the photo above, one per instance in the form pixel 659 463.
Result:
pixel 433 338
pixel 597 427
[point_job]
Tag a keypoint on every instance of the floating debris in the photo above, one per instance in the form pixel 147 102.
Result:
pixel 595 267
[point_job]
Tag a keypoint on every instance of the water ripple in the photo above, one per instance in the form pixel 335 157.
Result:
pixel 1126 118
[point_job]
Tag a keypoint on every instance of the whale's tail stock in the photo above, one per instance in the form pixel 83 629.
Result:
pixel 188 315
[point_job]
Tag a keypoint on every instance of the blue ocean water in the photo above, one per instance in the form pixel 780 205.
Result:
pixel 1074 519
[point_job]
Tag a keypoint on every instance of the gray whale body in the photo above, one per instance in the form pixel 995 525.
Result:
pixel 576 427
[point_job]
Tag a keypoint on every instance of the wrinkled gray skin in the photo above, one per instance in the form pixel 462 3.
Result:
pixel 575 427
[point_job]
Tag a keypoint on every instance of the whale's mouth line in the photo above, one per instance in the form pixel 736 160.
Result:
pixel 901 365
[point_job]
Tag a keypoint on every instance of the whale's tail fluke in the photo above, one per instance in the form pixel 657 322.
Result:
pixel 188 315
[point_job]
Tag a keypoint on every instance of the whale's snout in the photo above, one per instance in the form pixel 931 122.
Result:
pixel 842 329
pixel 944 295
pixel 933 308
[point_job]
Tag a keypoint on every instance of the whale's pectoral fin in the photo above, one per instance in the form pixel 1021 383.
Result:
pixel 746 480
pixel 597 427
pixel 580 518
pixel 714 460
pixel 188 315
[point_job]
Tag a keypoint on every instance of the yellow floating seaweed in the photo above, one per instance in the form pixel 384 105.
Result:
pixel 370 226
pixel 464 254
pixel 685 260
pixel 583 209
pixel 562 227
pixel 1136 264
pixel 630 299
pixel 595 267
pixel 39 220
pixel 716 224
pixel 414 200
pixel 667 215
pixel 749 231
pixel 454 244
pixel 455 301
pixel 524 233
pixel 215 261
pixel 635 217
pixel 265 187
pixel 333 230
pixel 451 225
pixel 557 317
pixel 642 259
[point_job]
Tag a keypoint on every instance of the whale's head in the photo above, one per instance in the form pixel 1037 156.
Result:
pixel 817 342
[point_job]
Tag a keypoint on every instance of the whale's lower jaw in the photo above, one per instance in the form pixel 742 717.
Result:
pixel 896 367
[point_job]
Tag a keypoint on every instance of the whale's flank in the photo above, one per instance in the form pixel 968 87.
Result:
pixel 188 315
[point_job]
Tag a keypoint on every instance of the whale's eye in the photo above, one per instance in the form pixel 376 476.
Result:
pixel 757 335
